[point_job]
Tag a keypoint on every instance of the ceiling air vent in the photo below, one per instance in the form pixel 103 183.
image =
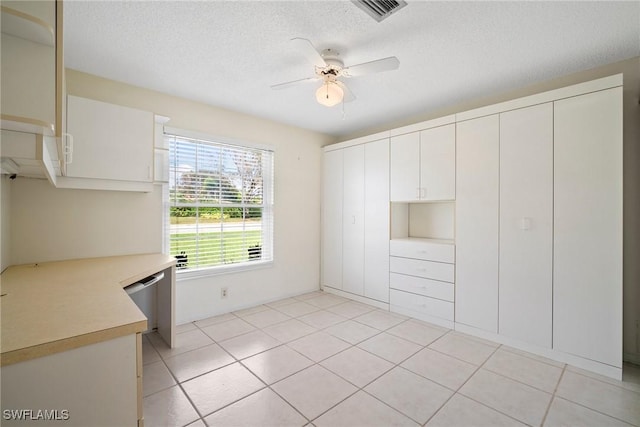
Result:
pixel 380 9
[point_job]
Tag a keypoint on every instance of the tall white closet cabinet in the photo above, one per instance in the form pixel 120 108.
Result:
pixel 587 238
pixel 526 224
pixel 477 176
pixel 356 220
pixel 539 223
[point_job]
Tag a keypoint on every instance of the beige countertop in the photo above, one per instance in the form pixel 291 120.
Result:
pixel 57 306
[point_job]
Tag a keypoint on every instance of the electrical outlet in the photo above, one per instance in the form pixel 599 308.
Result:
pixel 224 292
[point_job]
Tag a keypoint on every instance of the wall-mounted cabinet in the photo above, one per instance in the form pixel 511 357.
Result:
pixel 113 146
pixel 30 155
pixel 423 165
pixel 32 67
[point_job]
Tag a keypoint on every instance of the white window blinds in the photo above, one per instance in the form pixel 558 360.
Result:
pixel 221 203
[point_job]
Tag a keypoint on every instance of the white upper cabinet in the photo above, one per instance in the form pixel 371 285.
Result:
pixel 110 142
pixel 405 167
pixel 477 222
pixel 423 165
pixel 526 224
pixel 438 163
pixel 29 63
pixel 587 257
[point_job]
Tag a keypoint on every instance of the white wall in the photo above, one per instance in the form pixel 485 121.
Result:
pixel 5 222
pixel 50 224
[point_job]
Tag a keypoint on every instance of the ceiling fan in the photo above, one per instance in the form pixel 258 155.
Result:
pixel 329 68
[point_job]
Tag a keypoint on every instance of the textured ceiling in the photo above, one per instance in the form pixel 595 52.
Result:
pixel 229 53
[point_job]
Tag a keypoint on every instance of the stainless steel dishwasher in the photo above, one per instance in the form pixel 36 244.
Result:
pixel 143 293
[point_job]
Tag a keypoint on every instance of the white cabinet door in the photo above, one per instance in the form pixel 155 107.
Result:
pixel 332 220
pixel 438 163
pixel 477 163
pixel 587 259
pixel 405 167
pixel 353 221
pixel 526 221
pixel 376 221
pixel 110 142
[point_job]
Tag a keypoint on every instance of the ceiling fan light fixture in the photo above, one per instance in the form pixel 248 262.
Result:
pixel 329 94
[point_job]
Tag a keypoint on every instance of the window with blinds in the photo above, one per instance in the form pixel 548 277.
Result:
pixel 220 203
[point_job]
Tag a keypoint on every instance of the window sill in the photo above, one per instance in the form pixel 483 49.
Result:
pixel 226 269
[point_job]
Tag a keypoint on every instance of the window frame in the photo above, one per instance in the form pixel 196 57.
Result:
pixel 268 205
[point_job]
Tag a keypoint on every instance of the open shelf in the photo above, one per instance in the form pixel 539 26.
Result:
pixel 433 221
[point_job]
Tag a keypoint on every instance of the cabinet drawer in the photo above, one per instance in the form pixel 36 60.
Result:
pixel 426 287
pixel 422 304
pixel 418 249
pixel 427 269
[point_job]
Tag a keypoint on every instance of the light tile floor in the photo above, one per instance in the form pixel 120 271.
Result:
pixel 322 360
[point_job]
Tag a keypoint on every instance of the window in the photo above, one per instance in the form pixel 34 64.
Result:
pixel 220 203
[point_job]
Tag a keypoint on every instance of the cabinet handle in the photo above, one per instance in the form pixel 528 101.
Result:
pixel 68 148
pixel 423 193
pixel 525 223
pixel 353 219
pixel 418 193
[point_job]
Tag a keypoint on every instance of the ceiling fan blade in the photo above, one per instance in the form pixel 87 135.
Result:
pixel 348 95
pixel 385 64
pixel 308 50
pixel 287 85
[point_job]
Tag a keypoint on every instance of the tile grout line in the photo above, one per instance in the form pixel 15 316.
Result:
pixel 458 389
pixel 357 344
pixel 457 392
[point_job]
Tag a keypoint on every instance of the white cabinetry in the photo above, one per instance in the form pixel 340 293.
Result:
pixel 29 66
pixel 587 258
pixel 111 143
pixel 100 383
pixel 376 222
pixel 422 279
pixel 405 167
pixel 353 220
pixel 526 224
pixel 477 178
pixel 332 219
pixel 30 155
pixel 423 165
pixel 356 220
pixel 438 163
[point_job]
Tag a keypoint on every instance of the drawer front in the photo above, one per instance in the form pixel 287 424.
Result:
pixel 422 304
pixel 423 250
pixel 426 287
pixel 427 269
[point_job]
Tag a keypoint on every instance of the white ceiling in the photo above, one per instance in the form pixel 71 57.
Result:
pixel 229 53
